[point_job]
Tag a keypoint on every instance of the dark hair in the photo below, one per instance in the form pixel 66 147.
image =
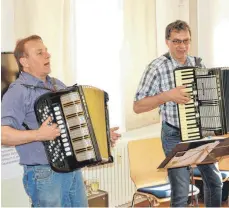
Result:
pixel 19 50
pixel 178 25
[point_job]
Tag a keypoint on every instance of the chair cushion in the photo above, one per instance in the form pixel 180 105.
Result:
pixel 196 172
pixel 224 173
pixel 160 191
pixel 163 190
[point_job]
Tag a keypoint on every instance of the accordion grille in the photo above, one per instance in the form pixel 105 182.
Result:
pixel 77 126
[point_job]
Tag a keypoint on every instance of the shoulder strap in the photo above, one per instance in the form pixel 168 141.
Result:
pixel 53 80
pixel 26 126
pixel 34 87
pixel 198 61
pixel 167 55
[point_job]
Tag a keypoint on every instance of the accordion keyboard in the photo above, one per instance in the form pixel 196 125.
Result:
pixel 188 113
pixel 206 113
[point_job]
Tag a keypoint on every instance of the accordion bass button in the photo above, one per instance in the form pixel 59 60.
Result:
pixel 57 113
pixel 67 149
pixel 64 140
pixel 56 108
pixel 66 144
pixel 68 153
pixel 62 131
pixel 63 135
pixel 61 126
pixel 60 122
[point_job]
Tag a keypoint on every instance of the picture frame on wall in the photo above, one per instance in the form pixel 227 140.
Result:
pixel 9 70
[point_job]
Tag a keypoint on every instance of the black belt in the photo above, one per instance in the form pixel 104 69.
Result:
pixel 170 125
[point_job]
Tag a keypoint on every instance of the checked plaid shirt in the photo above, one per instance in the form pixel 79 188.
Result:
pixel 157 78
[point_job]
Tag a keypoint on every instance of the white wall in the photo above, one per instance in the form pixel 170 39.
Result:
pixel 213 32
pixel 7 26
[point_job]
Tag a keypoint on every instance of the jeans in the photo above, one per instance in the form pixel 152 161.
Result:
pixel 47 188
pixel 180 177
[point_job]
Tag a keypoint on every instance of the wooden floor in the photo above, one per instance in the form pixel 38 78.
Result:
pixel 166 204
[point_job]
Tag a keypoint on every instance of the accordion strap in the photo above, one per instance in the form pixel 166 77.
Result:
pixel 26 126
pixel 53 81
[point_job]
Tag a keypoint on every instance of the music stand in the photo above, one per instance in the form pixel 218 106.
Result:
pixel 196 152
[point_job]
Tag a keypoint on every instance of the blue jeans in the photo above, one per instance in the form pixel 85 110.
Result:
pixel 180 177
pixel 47 188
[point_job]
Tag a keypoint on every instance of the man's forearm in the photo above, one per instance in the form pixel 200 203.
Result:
pixel 13 137
pixel 149 103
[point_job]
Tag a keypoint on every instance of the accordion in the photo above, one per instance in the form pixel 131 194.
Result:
pixel 81 113
pixel 207 113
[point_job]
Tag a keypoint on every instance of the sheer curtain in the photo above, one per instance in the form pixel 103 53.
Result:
pixel 114 42
pixel 98 40
pixel 52 21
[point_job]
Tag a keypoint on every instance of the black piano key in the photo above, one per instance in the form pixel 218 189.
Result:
pixel 197 137
pixel 192 127
pixel 190 119
pixel 190 107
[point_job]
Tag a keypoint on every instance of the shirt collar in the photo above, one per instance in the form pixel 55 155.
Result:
pixel 177 64
pixel 31 80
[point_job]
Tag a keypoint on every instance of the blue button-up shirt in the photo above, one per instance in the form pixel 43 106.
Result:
pixel 18 107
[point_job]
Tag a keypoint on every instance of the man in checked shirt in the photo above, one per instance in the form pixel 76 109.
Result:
pixel 157 89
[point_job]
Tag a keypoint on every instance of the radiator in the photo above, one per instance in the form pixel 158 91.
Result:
pixel 115 178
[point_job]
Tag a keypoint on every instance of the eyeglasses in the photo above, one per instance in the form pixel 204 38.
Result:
pixel 178 42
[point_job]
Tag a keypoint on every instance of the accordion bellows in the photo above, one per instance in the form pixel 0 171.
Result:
pixel 207 113
pixel 82 115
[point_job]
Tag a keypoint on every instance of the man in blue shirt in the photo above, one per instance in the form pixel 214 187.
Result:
pixel 45 187
pixel 157 89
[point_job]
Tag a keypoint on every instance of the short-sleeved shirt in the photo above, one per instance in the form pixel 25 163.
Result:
pixel 18 108
pixel 159 77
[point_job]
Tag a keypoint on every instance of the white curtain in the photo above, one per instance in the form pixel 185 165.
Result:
pixel 139 48
pixel 50 19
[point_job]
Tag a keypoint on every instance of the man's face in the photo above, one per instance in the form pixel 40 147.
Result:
pixel 37 59
pixel 179 44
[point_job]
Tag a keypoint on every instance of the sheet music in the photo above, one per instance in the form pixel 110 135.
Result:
pixel 206 139
pixel 192 156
